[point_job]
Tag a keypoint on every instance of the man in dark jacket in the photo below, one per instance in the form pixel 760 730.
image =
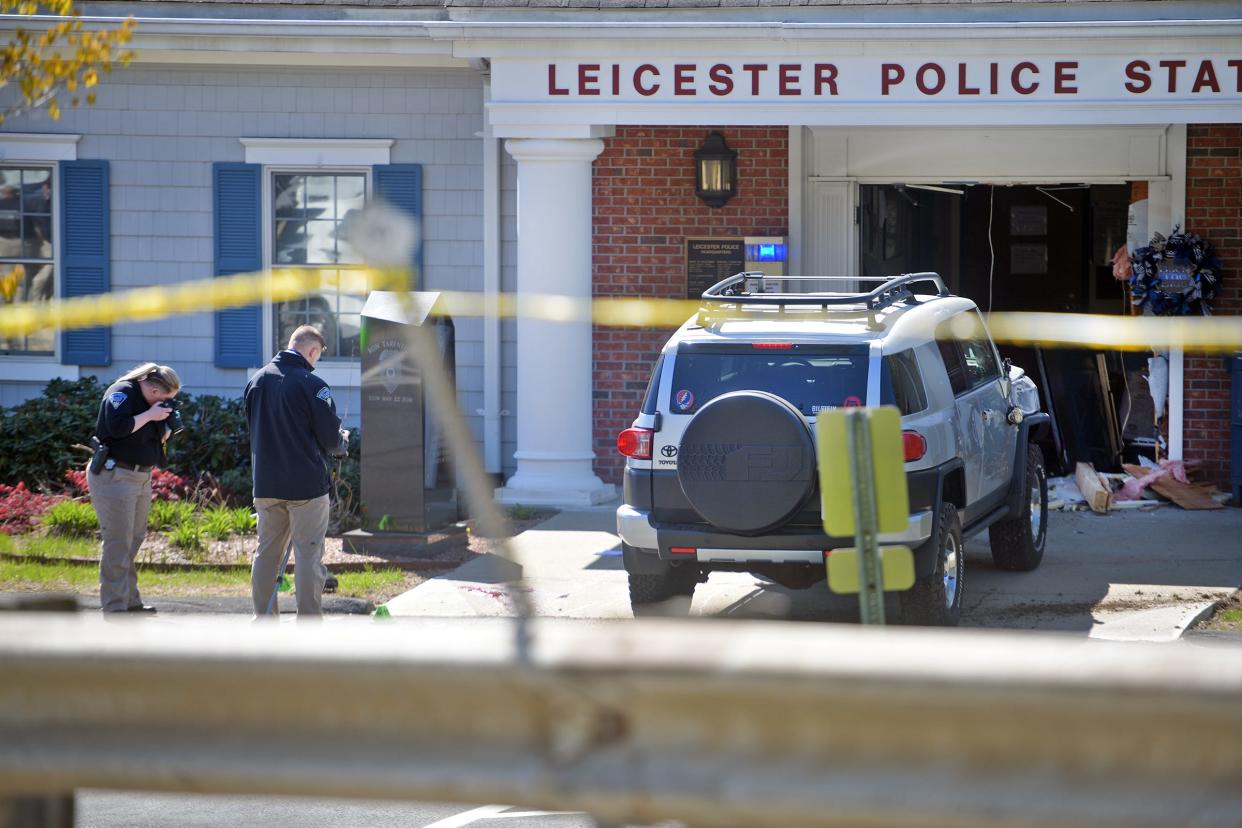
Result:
pixel 294 428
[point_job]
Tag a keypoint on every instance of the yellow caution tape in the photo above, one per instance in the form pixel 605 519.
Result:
pixel 1140 333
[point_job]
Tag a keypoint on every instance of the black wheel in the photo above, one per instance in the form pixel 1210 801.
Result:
pixel 936 601
pixel 1018 542
pixel 652 593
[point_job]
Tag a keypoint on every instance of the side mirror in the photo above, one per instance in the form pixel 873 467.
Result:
pixel 1006 382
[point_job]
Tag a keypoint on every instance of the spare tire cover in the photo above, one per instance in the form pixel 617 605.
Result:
pixel 747 462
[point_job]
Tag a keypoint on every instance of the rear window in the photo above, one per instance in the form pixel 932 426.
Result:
pixel 653 387
pixel 901 385
pixel 812 378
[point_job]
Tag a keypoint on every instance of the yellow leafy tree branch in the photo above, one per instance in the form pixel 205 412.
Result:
pixel 62 58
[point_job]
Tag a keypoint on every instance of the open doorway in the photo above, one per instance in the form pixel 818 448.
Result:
pixel 1046 247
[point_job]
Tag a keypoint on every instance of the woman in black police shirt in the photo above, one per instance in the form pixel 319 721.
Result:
pixel 131 424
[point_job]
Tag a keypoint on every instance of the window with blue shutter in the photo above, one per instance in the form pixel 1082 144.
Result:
pixel 86 254
pixel 238 249
pixel 402 186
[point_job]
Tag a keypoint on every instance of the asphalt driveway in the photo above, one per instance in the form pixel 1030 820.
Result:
pixel 1125 575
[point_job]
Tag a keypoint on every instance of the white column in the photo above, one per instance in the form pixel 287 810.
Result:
pixel 554 380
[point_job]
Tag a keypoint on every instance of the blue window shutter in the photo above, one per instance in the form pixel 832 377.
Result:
pixel 238 201
pixel 402 186
pixel 85 254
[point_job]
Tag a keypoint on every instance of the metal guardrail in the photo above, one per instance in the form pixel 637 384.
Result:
pixel 716 723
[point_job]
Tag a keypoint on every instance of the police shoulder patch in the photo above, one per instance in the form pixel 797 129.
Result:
pixel 325 394
pixel 117 397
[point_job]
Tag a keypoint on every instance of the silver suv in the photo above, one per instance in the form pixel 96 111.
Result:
pixel 721 473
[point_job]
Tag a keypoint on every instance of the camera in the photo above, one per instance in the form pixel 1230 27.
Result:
pixel 173 424
pixel 342 445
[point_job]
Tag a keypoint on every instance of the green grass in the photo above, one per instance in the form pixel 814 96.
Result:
pixel 167 514
pixel 521 512
pixel 49 546
pixel 370 582
pixel 1231 616
pixel 52 577
pixel 72 518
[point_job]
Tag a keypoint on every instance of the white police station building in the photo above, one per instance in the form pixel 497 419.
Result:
pixel 546 146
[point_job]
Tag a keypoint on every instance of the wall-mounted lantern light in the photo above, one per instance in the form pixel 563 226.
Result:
pixel 715 171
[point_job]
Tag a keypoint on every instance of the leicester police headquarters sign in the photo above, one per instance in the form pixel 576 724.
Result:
pixel 1143 86
pixel 1101 78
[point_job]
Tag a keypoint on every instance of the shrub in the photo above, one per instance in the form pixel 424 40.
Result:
pixel 188 535
pixel 346 508
pixel 245 521
pixel 166 514
pixel 39 437
pixel 215 442
pixel 21 509
pixel 168 486
pixel 39 434
pixel 72 518
pixel 75 483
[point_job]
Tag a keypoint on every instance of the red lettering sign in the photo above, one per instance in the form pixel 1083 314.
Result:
pixel 1063 74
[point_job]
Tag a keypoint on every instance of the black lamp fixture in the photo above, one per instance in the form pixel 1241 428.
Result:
pixel 715 171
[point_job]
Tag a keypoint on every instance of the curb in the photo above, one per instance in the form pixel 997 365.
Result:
pixel 1201 615
pixel 409 565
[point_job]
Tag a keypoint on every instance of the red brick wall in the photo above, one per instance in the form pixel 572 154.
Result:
pixel 644 208
pixel 1214 211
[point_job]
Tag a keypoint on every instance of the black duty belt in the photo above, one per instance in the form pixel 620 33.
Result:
pixel 131 466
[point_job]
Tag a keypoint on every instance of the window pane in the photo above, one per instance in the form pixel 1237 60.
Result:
pixel 289 196
pixel 289 242
pixel 22 283
pixel 37 213
pixel 312 235
pixel 320 242
pixel 350 327
pixel 951 354
pixel 901 384
pixel 10 213
pixel 287 321
pixel 320 196
pixel 351 194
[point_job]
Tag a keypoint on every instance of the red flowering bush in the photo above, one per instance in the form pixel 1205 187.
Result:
pixel 76 483
pixel 168 486
pixel 22 509
pixel 164 485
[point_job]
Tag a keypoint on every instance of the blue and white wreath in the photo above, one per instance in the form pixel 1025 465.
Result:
pixel 1177 276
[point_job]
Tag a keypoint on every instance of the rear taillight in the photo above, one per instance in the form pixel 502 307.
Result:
pixel 635 443
pixel 913 445
pixel 772 346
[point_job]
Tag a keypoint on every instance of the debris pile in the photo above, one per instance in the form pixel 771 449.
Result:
pixel 1144 486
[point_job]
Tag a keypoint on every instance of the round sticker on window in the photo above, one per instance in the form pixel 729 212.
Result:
pixel 852 401
pixel 684 399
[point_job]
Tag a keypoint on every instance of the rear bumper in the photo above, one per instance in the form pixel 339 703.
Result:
pixel 636 530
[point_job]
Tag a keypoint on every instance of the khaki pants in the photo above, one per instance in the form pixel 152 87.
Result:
pixel 305 522
pixel 122 499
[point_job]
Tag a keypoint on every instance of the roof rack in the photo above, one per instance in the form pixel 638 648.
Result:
pixel 747 288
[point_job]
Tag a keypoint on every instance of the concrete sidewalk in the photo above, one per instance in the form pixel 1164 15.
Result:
pixel 1122 576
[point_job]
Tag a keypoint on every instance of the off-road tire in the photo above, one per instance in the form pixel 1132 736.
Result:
pixel 649 594
pixel 1016 543
pixel 927 602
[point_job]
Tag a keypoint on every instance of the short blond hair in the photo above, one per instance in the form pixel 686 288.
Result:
pixel 305 336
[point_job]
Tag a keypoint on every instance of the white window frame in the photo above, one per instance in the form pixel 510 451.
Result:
pixel 313 155
pixel 338 372
pixel 34 149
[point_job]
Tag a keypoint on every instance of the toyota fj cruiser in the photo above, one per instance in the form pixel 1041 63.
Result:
pixel 721 470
